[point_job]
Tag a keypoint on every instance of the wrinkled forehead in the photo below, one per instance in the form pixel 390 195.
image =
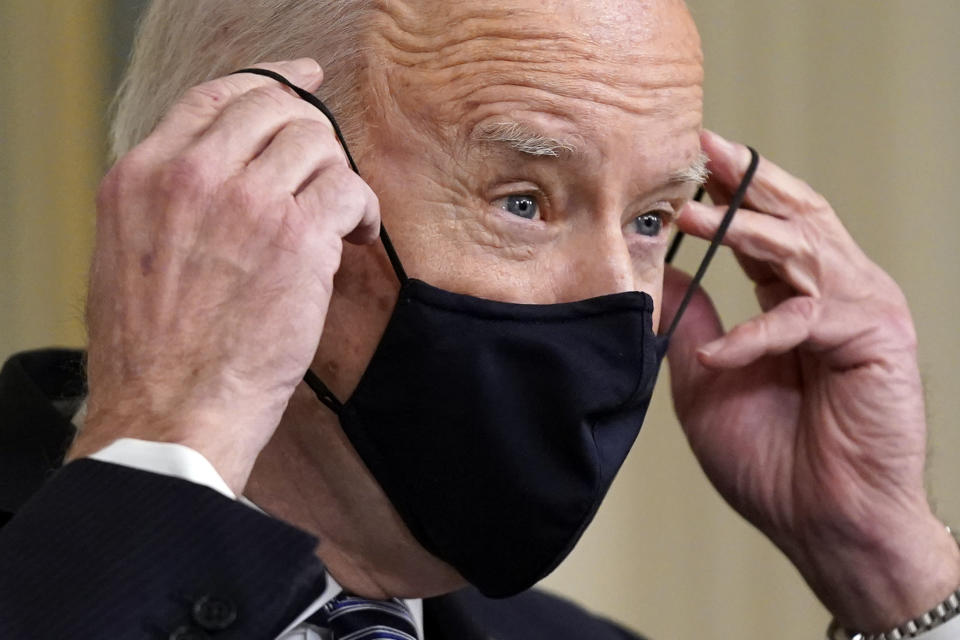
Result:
pixel 638 56
pixel 636 23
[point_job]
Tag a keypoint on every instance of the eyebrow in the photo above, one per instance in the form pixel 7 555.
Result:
pixel 526 140
pixel 697 173
pixel 521 138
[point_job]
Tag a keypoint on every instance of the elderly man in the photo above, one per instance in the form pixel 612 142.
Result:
pixel 475 377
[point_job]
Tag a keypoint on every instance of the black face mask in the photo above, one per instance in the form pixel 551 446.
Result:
pixel 496 428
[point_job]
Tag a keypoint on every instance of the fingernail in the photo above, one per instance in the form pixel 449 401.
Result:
pixel 718 141
pixel 305 66
pixel 710 349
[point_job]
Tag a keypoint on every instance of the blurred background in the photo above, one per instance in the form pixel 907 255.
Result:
pixel 860 98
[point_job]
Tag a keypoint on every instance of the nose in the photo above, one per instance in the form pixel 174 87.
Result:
pixel 598 262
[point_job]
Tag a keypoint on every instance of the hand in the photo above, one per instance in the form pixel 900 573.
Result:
pixel 809 418
pixel 217 241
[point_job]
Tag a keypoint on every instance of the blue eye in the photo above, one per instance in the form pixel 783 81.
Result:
pixel 523 206
pixel 649 224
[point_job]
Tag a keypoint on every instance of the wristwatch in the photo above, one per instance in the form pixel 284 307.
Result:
pixel 949 608
pixel 946 610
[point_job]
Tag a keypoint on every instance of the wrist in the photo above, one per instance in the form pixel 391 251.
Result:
pixel 882 577
pixel 232 455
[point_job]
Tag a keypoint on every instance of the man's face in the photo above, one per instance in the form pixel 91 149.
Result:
pixel 523 151
pixel 533 151
pixel 605 97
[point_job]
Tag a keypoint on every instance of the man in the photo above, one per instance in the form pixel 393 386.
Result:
pixel 519 152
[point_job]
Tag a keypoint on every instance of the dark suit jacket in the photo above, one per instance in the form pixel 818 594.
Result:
pixel 94 550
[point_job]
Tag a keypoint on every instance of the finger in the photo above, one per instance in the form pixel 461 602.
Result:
pixel 344 203
pixel 298 152
pixel 772 191
pixel 249 123
pixel 758 240
pixel 199 107
pixel 777 331
pixel 759 236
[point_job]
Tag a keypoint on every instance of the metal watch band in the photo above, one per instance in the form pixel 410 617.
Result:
pixel 944 611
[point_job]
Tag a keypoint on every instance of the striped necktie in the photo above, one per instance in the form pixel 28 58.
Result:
pixel 349 617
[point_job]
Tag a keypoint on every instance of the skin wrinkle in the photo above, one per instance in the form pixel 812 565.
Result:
pixel 625 86
pixel 600 73
pixel 554 86
pixel 407 32
pixel 449 103
pixel 537 99
pixel 567 60
pixel 407 25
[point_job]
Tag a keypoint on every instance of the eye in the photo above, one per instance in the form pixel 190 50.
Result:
pixel 522 206
pixel 649 224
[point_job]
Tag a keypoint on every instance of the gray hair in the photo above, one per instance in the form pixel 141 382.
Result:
pixel 181 43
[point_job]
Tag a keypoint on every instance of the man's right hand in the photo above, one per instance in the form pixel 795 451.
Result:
pixel 217 241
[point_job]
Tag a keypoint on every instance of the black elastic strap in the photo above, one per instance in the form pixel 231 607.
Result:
pixel 323 393
pixel 315 101
pixel 678 238
pixel 735 203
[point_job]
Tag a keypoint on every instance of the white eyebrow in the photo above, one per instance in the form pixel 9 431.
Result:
pixel 697 173
pixel 523 139
pixel 526 140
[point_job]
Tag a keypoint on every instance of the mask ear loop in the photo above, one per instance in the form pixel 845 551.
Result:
pixel 315 101
pixel 735 203
pixel 678 238
pixel 311 379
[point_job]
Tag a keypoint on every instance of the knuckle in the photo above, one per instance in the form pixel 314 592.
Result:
pixel 373 201
pixel 206 95
pixel 311 137
pixel 128 173
pixel 183 176
pixel 242 200
pixel 808 242
pixel 340 196
pixel 317 131
pixel 804 307
pixel 269 97
pixel 343 181
pixel 902 324
pixel 110 187
pixel 896 318
pixel 810 201
pixel 356 190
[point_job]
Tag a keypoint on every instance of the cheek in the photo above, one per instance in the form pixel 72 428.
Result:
pixel 444 233
pixel 648 277
pixel 365 292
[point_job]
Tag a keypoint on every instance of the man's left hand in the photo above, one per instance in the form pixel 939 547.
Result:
pixel 809 418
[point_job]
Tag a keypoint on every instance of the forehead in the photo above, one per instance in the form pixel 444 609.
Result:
pixel 583 67
pixel 631 48
pixel 601 22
